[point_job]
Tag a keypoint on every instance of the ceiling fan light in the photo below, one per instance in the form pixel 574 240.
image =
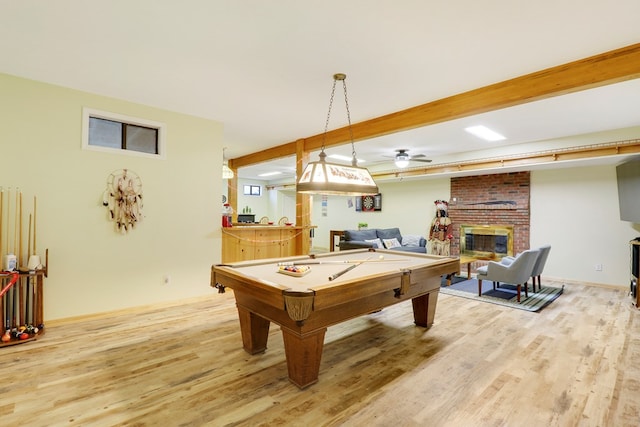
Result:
pixel 402 159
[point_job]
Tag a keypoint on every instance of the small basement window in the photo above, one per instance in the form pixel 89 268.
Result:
pixel 103 131
pixel 252 190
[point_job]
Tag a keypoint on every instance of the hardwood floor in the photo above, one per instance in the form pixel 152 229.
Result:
pixel 576 363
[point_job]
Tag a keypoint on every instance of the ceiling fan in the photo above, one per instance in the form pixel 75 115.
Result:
pixel 402 158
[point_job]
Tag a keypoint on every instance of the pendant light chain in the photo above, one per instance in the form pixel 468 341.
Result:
pixel 322 177
pixel 346 103
pixel 326 125
pixel 342 77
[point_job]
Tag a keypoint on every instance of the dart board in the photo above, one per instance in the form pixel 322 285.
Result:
pixel 369 203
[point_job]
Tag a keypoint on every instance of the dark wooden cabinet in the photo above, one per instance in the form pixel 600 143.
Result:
pixel 635 271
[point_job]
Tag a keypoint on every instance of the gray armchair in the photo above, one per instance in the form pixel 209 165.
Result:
pixel 516 273
pixel 538 268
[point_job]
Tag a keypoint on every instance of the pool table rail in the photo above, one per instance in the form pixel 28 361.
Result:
pixel 304 313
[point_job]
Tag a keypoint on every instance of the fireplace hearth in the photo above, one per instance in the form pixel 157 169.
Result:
pixel 490 242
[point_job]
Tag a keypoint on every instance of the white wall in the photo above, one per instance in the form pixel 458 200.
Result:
pixel 285 205
pixel 273 203
pixel 573 209
pixel 91 267
pixel 576 211
pixel 259 205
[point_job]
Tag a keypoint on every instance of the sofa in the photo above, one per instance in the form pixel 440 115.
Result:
pixel 375 237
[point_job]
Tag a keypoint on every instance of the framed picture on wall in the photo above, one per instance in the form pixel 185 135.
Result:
pixel 358 203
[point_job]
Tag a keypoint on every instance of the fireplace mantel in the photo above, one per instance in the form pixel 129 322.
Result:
pixel 484 206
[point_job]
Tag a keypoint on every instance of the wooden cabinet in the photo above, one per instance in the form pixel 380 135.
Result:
pixel 267 243
pixel 243 243
pixel 287 242
pixel 235 248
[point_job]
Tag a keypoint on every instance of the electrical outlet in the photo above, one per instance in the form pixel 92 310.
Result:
pixel 166 279
pixel 598 267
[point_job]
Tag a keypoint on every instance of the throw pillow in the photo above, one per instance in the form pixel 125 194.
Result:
pixel 391 243
pixel 389 233
pixel 411 240
pixel 360 235
pixel 377 243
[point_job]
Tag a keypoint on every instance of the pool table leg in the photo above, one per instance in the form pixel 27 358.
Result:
pixel 424 309
pixel 303 354
pixel 255 331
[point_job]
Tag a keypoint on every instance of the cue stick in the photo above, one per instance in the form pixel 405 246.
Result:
pixel 15 229
pixel 353 261
pixel 20 260
pixel 1 214
pixel 340 273
pixel 34 226
pixel 8 219
pixel 27 309
pixel 29 241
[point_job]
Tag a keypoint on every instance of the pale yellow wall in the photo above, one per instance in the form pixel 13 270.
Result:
pixel 91 267
pixel 406 204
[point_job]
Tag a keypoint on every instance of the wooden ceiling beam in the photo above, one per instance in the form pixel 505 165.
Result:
pixel 607 68
pixel 525 159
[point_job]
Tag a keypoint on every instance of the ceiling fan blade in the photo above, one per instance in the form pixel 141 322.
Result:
pixel 404 153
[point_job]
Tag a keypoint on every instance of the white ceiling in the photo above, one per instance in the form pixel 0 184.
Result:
pixel 264 68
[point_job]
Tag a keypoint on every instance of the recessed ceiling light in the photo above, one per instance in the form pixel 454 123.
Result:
pixel 270 173
pixel 344 158
pixel 484 133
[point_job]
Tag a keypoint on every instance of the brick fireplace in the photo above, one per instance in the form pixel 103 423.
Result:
pixel 497 201
pixel 486 241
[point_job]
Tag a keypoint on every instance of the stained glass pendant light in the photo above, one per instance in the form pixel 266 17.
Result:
pixel 322 177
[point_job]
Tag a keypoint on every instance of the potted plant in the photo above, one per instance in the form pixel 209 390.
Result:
pixel 362 225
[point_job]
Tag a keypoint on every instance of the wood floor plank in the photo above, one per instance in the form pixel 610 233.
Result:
pixel 575 363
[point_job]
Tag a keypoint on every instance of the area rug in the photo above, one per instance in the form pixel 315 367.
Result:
pixel 504 295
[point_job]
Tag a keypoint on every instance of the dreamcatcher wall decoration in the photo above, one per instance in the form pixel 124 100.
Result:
pixel 123 199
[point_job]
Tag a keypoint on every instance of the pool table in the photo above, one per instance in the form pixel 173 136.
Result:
pixel 338 286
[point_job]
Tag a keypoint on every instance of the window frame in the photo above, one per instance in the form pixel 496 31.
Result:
pixel 88 113
pixel 251 188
